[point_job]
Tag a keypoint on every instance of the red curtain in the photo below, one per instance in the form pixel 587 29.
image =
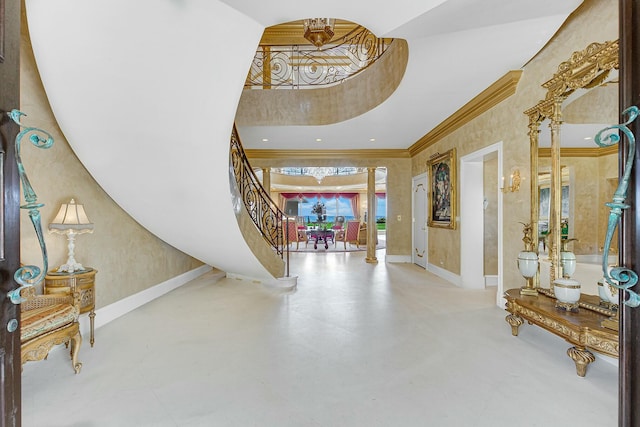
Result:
pixel 355 206
pixel 320 195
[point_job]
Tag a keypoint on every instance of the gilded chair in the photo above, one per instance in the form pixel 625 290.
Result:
pixel 350 234
pixel 295 234
pixel 48 320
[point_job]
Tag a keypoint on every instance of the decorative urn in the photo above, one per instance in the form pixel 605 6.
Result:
pixel 608 294
pixel 567 293
pixel 528 264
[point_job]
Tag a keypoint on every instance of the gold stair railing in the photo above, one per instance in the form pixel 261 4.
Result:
pixel 264 213
pixel 297 66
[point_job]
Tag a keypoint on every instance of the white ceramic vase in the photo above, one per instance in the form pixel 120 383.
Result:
pixel 568 263
pixel 528 263
pixel 607 292
pixel 566 290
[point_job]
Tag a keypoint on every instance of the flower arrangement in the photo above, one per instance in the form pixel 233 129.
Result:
pixel 320 210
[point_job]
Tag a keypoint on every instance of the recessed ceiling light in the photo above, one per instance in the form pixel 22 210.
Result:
pixel 318 139
pixel 372 139
pixel 265 139
pixel 587 138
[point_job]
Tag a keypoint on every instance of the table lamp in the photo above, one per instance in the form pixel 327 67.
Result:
pixel 71 220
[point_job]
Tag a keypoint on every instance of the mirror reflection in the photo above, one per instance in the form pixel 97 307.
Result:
pixel 574 178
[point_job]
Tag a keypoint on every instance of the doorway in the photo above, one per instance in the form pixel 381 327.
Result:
pixel 481 242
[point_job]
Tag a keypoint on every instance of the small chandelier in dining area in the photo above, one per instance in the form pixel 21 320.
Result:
pixel 319 173
pixel 318 30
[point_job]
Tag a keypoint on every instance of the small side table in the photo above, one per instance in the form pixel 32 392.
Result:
pixel 83 281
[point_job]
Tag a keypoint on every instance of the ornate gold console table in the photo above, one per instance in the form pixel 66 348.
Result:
pixel 83 281
pixel 582 329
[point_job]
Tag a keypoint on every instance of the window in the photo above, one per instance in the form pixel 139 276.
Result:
pixel 334 206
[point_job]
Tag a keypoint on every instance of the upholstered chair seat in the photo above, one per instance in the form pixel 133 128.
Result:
pixel 48 320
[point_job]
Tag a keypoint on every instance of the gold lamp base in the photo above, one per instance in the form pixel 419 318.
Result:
pixel 532 292
pixel 529 289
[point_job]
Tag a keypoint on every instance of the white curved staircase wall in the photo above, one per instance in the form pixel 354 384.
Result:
pixel 145 93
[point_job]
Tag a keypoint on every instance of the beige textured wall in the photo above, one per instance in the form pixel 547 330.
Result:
pixel 490 183
pixel 128 258
pixel 595 20
pixel 262 250
pixel 398 192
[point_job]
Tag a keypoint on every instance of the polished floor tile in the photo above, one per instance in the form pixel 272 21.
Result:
pixel 356 344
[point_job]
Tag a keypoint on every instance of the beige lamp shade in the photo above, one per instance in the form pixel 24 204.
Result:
pixel 71 216
pixel 71 221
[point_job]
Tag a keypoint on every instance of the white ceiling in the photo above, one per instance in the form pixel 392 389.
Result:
pixel 457 48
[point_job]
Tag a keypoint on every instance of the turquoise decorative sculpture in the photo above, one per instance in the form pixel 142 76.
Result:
pixel 30 275
pixel 619 277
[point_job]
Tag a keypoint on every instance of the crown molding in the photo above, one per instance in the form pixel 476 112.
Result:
pixel 326 154
pixel 502 89
pixel 580 151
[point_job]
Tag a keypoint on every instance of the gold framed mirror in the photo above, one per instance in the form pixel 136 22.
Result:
pixel 576 84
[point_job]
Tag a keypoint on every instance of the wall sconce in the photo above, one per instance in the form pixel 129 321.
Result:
pixel 514 182
pixel 71 220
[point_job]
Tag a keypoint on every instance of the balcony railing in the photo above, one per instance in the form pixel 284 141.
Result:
pixel 267 217
pixel 299 66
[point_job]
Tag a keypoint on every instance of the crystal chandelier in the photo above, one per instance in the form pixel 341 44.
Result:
pixel 318 30
pixel 319 173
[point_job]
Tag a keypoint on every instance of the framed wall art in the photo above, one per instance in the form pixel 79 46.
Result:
pixel 442 194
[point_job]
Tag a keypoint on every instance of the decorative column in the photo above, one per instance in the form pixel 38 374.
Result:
pixel 372 230
pixel 555 212
pixel 266 180
pixel 535 119
pixel 266 67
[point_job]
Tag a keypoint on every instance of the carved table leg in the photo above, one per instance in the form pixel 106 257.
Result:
pixel 515 321
pixel 76 342
pixel 582 357
pixel 92 316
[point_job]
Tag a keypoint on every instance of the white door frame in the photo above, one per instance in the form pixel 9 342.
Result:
pixel 471 208
pixel 415 226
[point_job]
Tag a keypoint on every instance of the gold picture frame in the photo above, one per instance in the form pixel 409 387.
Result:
pixel 442 190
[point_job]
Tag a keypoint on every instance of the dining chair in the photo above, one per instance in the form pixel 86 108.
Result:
pixel 295 234
pixel 350 234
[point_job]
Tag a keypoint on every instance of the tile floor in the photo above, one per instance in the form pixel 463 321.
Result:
pixel 355 345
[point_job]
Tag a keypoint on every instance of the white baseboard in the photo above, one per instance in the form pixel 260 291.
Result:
pixel 445 274
pixel 490 280
pixel 398 258
pixel 111 312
